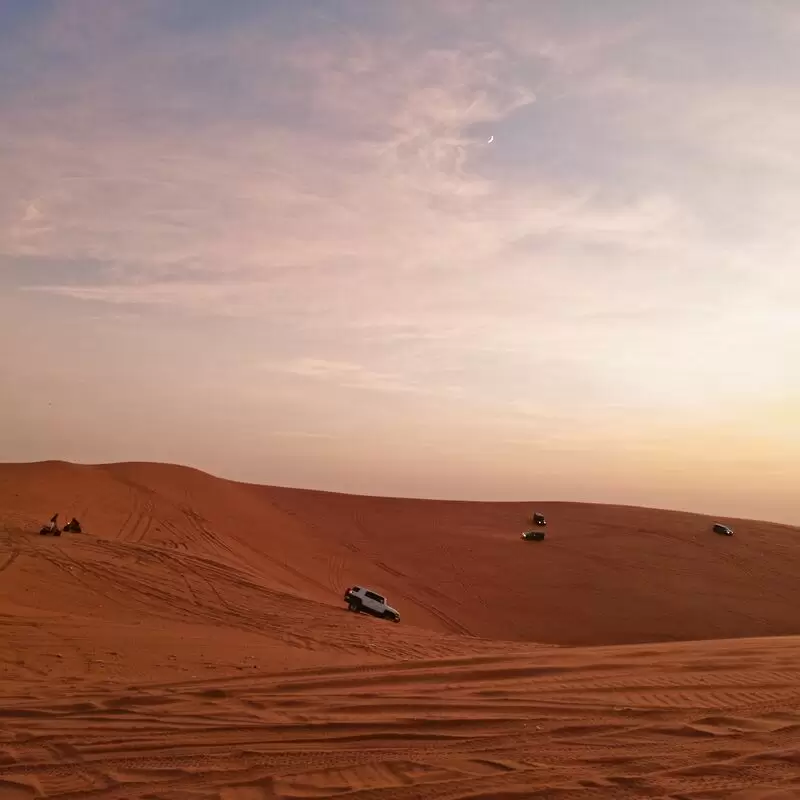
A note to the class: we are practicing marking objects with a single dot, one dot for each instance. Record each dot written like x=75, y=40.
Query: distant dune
x=192, y=643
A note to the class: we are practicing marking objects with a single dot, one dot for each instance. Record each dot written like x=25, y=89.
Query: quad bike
x=47, y=529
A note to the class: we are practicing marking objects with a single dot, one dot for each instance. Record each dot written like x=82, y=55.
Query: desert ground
x=192, y=643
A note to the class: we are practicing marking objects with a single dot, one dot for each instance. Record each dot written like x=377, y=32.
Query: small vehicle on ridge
x=723, y=530
x=533, y=536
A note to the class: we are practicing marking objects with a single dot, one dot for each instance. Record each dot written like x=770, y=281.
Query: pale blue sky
x=272, y=240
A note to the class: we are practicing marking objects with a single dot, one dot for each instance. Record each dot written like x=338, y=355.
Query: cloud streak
x=349, y=375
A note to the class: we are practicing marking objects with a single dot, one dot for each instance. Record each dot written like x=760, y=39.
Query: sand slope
x=605, y=574
x=704, y=720
x=192, y=643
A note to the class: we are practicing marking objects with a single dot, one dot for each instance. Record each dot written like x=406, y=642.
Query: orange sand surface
x=193, y=643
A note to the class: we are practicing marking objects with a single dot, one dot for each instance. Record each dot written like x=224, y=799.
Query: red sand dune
x=193, y=643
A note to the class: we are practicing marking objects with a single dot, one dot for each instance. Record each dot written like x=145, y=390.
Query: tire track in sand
x=400, y=731
x=10, y=560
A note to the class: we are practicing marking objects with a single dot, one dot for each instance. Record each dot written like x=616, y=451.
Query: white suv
x=360, y=599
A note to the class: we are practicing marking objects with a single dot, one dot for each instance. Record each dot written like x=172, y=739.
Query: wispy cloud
x=386, y=180
x=350, y=375
x=302, y=435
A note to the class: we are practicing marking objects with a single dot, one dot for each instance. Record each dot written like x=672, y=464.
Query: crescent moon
x=491, y=139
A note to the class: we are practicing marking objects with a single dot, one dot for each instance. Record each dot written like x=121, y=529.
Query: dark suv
x=723, y=530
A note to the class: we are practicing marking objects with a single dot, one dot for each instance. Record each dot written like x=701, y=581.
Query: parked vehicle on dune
x=538, y=519
x=360, y=599
x=533, y=536
x=721, y=529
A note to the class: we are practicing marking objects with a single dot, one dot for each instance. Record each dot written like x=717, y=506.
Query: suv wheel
x=355, y=606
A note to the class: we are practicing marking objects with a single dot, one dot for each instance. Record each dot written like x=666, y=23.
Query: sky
x=471, y=249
